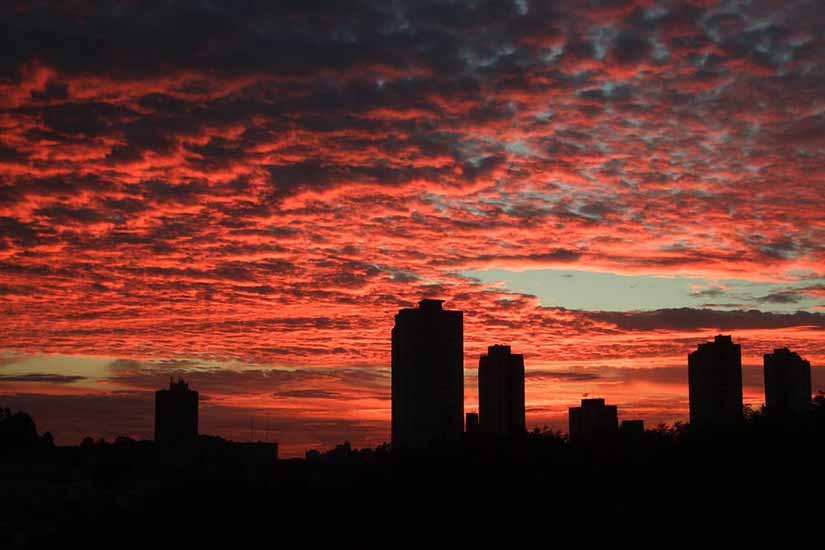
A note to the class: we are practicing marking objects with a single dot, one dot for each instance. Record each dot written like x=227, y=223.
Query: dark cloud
x=90, y=119
x=631, y=49
x=20, y=232
x=712, y=292
x=562, y=376
x=268, y=182
x=65, y=214
x=10, y=154
x=781, y=297
x=310, y=394
x=698, y=319
x=41, y=378
x=53, y=90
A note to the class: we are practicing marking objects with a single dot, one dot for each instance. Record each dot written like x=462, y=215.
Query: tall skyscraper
x=176, y=414
x=427, y=375
x=787, y=383
x=501, y=392
x=715, y=384
x=593, y=420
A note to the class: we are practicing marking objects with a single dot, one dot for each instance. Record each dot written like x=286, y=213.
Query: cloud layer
x=270, y=183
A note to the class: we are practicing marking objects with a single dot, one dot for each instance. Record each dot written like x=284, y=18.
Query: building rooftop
x=179, y=385
x=429, y=303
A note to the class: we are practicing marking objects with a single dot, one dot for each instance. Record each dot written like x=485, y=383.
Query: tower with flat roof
x=715, y=384
x=787, y=384
x=501, y=392
x=593, y=420
x=176, y=414
x=427, y=375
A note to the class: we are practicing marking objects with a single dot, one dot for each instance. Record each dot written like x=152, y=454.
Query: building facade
x=176, y=414
x=632, y=428
x=593, y=420
x=427, y=375
x=501, y=392
x=715, y=384
x=787, y=383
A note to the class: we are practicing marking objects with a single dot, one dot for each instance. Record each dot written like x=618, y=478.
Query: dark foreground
x=132, y=493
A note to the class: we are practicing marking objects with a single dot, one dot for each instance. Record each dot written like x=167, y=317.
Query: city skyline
x=245, y=194
x=139, y=418
x=429, y=405
x=428, y=408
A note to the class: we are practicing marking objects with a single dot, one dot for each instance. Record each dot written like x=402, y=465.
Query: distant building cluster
x=428, y=381
x=428, y=389
x=715, y=384
x=176, y=427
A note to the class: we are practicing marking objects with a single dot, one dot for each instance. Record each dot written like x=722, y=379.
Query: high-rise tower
x=715, y=384
x=787, y=383
x=427, y=375
x=176, y=414
x=501, y=392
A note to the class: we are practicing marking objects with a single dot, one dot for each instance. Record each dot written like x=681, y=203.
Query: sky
x=245, y=193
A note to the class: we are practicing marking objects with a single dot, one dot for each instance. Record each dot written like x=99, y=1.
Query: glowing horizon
x=248, y=202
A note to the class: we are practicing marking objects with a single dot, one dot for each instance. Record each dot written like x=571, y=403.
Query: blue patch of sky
x=593, y=290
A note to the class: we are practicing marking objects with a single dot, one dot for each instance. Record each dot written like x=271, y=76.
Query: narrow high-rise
x=787, y=384
x=593, y=420
x=176, y=414
x=427, y=375
x=501, y=392
x=715, y=384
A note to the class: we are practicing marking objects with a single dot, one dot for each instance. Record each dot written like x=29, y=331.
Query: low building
x=632, y=428
x=593, y=420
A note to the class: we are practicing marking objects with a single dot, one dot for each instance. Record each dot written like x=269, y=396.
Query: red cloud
x=277, y=210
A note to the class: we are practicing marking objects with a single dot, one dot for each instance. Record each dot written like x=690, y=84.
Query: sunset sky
x=245, y=193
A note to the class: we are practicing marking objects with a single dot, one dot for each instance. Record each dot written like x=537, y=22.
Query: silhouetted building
x=501, y=392
x=247, y=453
x=787, y=383
x=427, y=375
x=261, y=452
x=176, y=414
x=633, y=428
x=593, y=420
x=471, y=425
x=715, y=383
